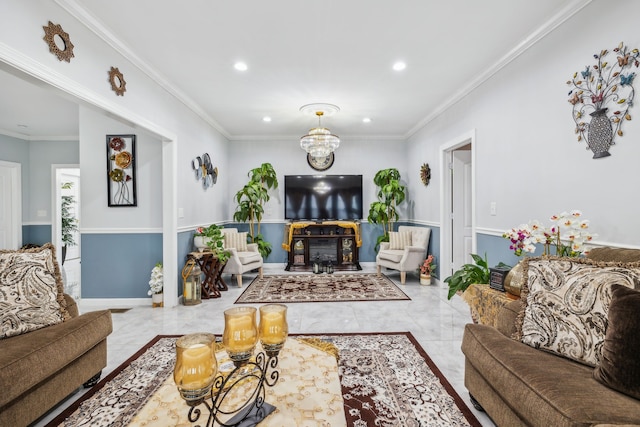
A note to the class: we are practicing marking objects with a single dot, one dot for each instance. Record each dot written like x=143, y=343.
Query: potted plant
x=69, y=222
x=469, y=274
x=156, y=285
x=251, y=199
x=390, y=194
x=426, y=269
x=211, y=237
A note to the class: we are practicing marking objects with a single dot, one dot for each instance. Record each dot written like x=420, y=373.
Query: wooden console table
x=334, y=242
x=485, y=303
x=212, y=268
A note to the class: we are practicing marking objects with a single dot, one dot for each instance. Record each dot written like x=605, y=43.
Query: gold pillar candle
x=196, y=365
x=273, y=324
x=240, y=331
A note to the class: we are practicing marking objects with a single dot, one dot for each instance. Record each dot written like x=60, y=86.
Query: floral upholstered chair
x=243, y=256
x=405, y=250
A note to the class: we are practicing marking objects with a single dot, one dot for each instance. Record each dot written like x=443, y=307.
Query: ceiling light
x=266, y=119
x=366, y=120
x=240, y=66
x=319, y=142
x=399, y=66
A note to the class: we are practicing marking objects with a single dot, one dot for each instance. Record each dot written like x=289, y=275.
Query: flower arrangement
x=428, y=266
x=156, y=281
x=215, y=240
x=566, y=227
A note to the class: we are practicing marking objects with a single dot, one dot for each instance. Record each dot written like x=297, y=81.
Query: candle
x=273, y=324
x=240, y=332
x=187, y=290
x=196, y=365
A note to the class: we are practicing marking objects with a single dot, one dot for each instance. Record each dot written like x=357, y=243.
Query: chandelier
x=319, y=142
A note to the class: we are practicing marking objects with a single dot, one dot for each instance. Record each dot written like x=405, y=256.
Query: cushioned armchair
x=405, y=251
x=244, y=256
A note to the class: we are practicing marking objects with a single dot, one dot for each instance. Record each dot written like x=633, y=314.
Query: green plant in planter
x=469, y=274
x=69, y=223
x=390, y=194
x=215, y=241
x=251, y=199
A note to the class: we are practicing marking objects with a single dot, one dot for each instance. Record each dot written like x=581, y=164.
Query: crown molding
x=533, y=38
x=25, y=137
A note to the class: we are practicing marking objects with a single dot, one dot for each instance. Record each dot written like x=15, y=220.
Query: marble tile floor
x=434, y=321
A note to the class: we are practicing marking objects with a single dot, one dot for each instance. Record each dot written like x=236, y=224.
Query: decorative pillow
x=566, y=301
x=619, y=368
x=31, y=291
x=237, y=241
x=399, y=239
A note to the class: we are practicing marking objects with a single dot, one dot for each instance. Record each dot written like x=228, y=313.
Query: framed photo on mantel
x=121, y=170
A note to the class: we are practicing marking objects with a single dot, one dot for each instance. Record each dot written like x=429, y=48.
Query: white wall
x=528, y=159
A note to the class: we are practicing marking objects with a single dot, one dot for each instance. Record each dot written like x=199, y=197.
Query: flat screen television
x=323, y=197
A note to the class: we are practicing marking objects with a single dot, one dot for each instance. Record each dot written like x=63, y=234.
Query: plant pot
x=200, y=242
x=157, y=300
x=425, y=279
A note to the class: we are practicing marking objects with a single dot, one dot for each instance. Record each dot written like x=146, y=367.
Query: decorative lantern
x=317, y=268
x=191, y=283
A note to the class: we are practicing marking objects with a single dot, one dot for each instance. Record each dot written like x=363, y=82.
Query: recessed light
x=399, y=66
x=366, y=120
x=22, y=126
x=266, y=119
x=240, y=66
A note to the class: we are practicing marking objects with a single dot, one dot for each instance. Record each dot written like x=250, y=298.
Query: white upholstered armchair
x=405, y=251
x=244, y=256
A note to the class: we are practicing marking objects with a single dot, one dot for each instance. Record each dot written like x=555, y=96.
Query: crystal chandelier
x=319, y=142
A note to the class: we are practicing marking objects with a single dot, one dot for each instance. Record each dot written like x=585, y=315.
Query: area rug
x=387, y=380
x=321, y=288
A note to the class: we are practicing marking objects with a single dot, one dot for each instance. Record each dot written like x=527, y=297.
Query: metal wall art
x=425, y=174
x=63, y=49
x=118, y=85
x=204, y=170
x=601, y=96
x=121, y=170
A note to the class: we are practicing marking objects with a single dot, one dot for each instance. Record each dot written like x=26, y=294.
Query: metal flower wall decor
x=604, y=91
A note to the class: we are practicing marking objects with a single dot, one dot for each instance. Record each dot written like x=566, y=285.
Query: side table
x=212, y=268
x=485, y=303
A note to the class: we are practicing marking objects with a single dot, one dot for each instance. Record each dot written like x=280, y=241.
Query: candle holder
x=240, y=334
x=273, y=328
x=196, y=366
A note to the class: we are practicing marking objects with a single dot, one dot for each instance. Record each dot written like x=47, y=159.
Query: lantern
x=191, y=283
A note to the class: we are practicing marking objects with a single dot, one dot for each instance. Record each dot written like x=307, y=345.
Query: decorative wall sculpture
x=601, y=96
x=121, y=170
x=118, y=85
x=63, y=49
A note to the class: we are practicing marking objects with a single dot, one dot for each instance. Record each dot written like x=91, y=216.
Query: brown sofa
x=38, y=369
x=518, y=385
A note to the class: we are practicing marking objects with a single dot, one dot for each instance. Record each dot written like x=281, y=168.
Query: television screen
x=323, y=197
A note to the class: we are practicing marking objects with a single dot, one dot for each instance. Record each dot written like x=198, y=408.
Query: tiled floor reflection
x=436, y=323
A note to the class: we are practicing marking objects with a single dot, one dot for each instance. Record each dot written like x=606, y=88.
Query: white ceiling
x=300, y=52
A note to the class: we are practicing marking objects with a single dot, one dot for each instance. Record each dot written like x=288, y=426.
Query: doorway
x=458, y=235
x=11, y=207
x=66, y=183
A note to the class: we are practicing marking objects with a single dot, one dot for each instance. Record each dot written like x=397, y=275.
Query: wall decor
x=601, y=96
x=64, y=48
x=118, y=84
x=204, y=170
x=321, y=163
x=425, y=174
x=121, y=170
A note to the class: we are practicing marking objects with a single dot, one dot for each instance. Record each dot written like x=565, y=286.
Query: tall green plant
x=69, y=221
x=251, y=200
x=390, y=194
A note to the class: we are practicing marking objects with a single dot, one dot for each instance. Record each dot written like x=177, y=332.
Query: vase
x=200, y=242
x=425, y=279
x=600, y=133
x=157, y=300
x=514, y=280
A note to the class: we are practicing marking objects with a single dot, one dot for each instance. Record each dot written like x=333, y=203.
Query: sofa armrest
x=384, y=246
x=252, y=247
x=506, y=321
x=72, y=306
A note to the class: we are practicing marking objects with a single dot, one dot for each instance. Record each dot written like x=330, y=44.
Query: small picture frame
x=121, y=170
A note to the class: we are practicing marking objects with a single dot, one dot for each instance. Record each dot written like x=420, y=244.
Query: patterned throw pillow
x=31, y=291
x=237, y=241
x=566, y=301
x=399, y=239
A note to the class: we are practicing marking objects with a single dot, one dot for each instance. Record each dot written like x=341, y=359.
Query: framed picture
x=121, y=170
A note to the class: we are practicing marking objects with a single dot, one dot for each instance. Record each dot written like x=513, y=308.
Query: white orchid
x=156, y=281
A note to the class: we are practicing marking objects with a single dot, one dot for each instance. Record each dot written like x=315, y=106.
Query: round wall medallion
x=425, y=173
x=118, y=85
x=58, y=40
x=321, y=163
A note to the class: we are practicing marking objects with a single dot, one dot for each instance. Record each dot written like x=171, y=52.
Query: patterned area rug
x=387, y=380
x=321, y=288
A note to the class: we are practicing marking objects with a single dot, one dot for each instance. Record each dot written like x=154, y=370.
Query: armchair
x=405, y=251
x=244, y=256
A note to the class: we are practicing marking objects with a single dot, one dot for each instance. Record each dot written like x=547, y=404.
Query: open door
x=11, y=205
x=67, y=185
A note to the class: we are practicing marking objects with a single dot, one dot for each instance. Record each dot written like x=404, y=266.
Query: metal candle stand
x=263, y=370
